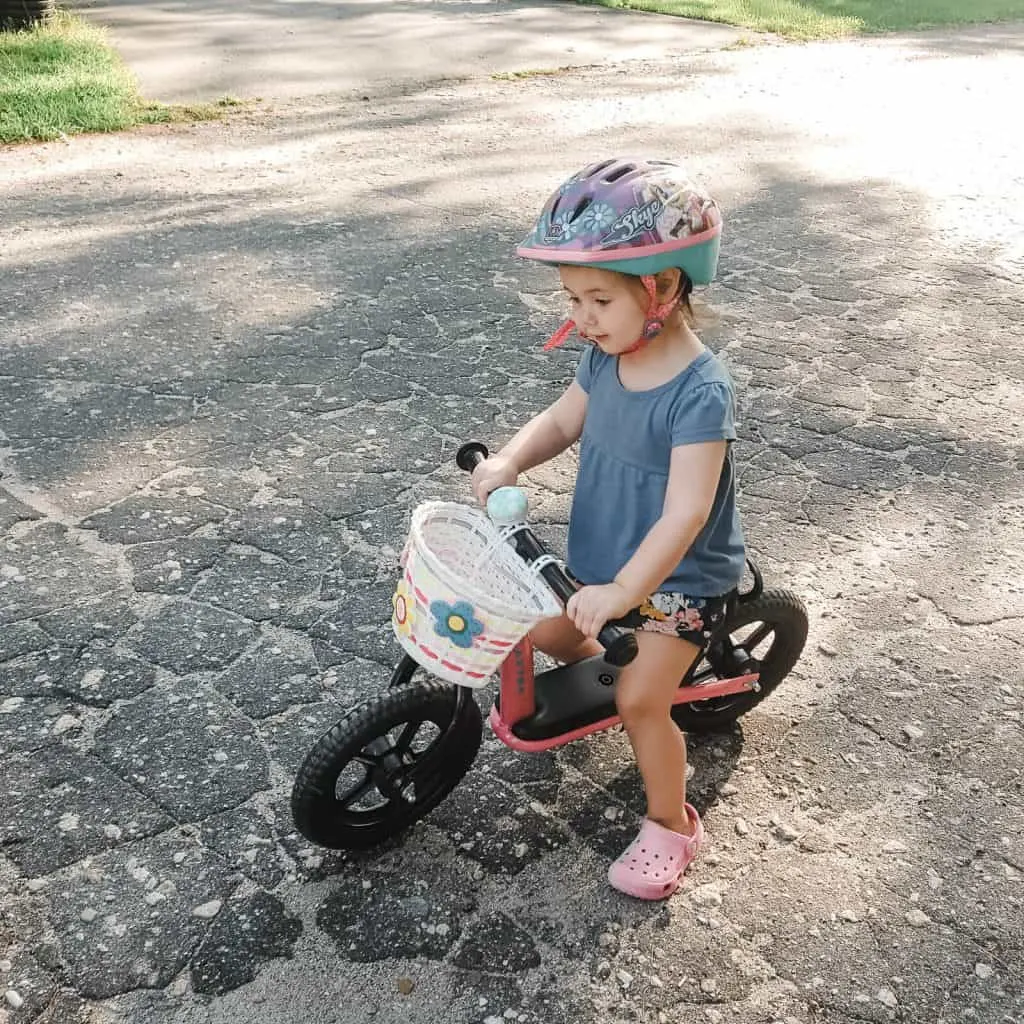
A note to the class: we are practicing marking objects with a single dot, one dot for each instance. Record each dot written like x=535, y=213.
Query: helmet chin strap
x=654, y=320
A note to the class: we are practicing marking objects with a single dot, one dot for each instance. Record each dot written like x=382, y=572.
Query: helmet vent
x=580, y=207
x=619, y=172
x=597, y=169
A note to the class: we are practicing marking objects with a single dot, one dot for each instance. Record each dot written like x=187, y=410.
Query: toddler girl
x=654, y=535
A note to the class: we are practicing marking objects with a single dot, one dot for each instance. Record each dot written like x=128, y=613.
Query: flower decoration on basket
x=456, y=622
x=404, y=605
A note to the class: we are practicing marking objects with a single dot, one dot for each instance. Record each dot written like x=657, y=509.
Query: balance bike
x=397, y=755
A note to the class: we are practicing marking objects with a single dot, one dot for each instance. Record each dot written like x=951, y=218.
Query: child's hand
x=590, y=608
x=489, y=475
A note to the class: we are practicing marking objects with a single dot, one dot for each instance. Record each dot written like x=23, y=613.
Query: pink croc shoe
x=652, y=866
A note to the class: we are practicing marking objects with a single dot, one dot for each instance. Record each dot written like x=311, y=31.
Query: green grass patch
x=63, y=78
x=824, y=19
x=511, y=76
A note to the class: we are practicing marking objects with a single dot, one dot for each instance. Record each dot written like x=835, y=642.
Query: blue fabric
x=627, y=443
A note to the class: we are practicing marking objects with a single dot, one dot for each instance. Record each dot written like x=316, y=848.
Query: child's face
x=609, y=308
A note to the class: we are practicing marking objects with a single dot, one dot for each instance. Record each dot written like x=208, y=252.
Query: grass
x=824, y=19
x=63, y=78
x=511, y=76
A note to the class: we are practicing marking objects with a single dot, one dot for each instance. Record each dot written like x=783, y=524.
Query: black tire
x=772, y=629
x=25, y=13
x=429, y=734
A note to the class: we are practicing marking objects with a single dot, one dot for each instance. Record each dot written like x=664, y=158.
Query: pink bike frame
x=517, y=701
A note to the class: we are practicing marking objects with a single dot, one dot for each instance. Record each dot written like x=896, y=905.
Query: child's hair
x=685, y=305
x=684, y=295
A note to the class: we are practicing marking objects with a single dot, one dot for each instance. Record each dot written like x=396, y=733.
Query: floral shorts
x=690, y=618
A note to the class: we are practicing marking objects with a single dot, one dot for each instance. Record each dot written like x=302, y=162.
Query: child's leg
x=643, y=696
x=561, y=640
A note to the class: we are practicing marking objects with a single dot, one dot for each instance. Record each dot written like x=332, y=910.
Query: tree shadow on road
x=325, y=347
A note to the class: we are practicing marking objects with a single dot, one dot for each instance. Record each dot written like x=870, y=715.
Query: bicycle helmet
x=637, y=217
x=634, y=216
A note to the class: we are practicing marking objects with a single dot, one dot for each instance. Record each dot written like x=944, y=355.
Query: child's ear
x=668, y=282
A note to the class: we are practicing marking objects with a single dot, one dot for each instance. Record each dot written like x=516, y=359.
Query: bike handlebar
x=620, y=646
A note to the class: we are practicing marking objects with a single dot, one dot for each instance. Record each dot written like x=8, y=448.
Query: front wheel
x=765, y=635
x=386, y=764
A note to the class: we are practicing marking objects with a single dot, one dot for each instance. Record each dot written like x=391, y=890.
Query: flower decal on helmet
x=597, y=218
x=456, y=622
x=562, y=228
x=404, y=609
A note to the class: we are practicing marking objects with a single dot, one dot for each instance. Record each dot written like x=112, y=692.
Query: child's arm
x=544, y=437
x=694, y=473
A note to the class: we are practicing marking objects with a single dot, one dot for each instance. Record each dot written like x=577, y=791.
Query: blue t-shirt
x=627, y=443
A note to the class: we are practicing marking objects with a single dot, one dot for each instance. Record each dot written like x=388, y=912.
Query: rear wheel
x=765, y=634
x=386, y=764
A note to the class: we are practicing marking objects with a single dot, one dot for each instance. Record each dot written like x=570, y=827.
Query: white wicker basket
x=465, y=598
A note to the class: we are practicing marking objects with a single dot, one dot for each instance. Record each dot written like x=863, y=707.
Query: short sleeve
x=585, y=368
x=707, y=413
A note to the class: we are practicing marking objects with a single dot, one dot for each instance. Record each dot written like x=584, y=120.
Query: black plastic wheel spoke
x=357, y=792
x=757, y=637
x=429, y=760
x=406, y=736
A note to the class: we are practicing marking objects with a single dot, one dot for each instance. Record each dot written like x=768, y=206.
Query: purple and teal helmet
x=634, y=216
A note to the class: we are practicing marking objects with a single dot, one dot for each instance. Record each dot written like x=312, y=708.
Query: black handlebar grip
x=470, y=455
x=620, y=646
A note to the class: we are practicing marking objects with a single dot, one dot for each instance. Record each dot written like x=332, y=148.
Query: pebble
x=983, y=971
x=786, y=832
x=14, y=1001
x=521, y=849
x=894, y=846
x=604, y=969
x=728, y=789
x=912, y=732
x=917, y=918
x=742, y=828
x=625, y=978
x=5, y=966
x=849, y=915
x=887, y=997
x=406, y=985
x=153, y=897
x=606, y=940
x=707, y=895
x=112, y=832
x=828, y=650
x=65, y=724
x=207, y=910
x=709, y=986
x=88, y=915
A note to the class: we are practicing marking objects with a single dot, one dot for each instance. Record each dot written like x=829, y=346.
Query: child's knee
x=637, y=703
x=560, y=639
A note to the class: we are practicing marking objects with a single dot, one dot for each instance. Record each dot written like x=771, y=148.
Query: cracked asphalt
x=234, y=356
